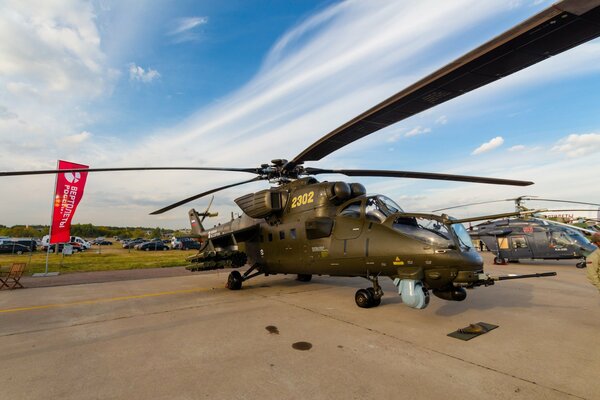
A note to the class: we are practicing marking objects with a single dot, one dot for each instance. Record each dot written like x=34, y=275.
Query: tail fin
x=197, y=218
x=196, y=222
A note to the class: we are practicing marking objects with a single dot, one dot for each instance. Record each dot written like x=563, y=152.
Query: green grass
x=110, y=258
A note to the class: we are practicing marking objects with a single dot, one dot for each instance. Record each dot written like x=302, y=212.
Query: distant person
x=593, y=262
x=481, y=245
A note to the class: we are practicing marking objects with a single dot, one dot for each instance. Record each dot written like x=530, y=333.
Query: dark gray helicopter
x=532, y=235
x=303, y=226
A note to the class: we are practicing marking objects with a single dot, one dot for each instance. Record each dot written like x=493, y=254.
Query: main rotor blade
x=58, y=171
x=571, y=209
x=490, y=217
x=417, y=175
x=170, y=207
x=560, y=27
x=563, y=201
x=469, y=204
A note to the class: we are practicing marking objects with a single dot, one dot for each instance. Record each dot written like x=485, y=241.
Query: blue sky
x=238, y=83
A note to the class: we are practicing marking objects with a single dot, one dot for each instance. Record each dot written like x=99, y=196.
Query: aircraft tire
x=376, y=300
x=580, y=264
x=304, y=277
x=363, y=298
x=234, y=281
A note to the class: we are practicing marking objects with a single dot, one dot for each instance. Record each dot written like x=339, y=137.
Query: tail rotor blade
x=207, y=208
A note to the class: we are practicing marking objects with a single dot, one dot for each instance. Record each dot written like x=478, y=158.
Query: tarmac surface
x=172, y=334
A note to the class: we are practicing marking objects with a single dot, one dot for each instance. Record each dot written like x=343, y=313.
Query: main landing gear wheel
x=499, y=261
x=580, y=264
x=234, y=281
x=304, y=277
x=366, y=298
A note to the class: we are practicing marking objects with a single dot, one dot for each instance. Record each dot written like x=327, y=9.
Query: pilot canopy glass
x=434, y=232
x=379, y=207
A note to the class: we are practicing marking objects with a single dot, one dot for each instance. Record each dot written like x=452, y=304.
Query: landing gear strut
x=369, y=297
x=235, y=279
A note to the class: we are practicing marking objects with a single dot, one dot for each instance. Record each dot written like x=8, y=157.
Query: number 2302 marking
x=303, y=199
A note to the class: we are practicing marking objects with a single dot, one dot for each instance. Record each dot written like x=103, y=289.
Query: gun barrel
x=536, y=275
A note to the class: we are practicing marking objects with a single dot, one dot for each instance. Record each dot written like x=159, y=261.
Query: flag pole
x=51, y=219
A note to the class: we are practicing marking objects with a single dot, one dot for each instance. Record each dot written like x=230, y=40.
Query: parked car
x=186, y=244
x=155, y=245
x=101, y=242
x=27, y=242
x=132, y=243
x=77, y=247
x=13, y=248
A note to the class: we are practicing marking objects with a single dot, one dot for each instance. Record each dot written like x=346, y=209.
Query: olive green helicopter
x=305, y=227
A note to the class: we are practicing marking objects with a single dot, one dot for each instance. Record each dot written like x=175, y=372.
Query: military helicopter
x=532, y=235
x=306, y=227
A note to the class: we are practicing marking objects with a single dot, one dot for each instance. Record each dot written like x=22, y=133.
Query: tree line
x=86, y=231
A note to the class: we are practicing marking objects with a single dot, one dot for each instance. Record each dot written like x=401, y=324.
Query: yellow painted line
x=104, y=300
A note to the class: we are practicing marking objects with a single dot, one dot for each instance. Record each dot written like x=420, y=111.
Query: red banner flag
x=68, y=193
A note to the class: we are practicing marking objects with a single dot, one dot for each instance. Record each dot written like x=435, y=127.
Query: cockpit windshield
x=429, y=231
x=577, y=238
x=463, y=236
x=379, y=207
x=434, y=232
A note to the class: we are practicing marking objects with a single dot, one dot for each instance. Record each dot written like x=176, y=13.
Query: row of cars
x=158, y=244
x=78, y=244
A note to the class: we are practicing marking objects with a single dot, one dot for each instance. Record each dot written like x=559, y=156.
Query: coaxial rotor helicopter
x=306, y=227
x=532, y=235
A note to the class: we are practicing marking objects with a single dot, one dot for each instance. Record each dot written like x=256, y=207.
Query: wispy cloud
x=518, y=147
x=442, y=120
x=488, y=146
x=78, y=138
x=185, y=28
x=419, y=130
x=578, y=145
x=137, y=73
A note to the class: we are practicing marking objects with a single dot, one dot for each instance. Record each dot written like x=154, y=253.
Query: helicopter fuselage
x=334, y=228
x=530, y=238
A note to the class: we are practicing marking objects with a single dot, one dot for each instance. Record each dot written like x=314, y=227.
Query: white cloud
x=518, y=147
x=137, y=73
x=186, y=24
x=417, y=131
x=578, y=145
x=442, y=120
x=488, y=146
x=78, y=138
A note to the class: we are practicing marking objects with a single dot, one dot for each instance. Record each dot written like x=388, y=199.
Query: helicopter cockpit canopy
x=433, y=231
x=567, y=237
x=378, y=207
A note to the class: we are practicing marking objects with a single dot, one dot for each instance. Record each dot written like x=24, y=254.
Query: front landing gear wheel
x=234, y=281
x=580, y=264
x=376, y=300
x=363, y=298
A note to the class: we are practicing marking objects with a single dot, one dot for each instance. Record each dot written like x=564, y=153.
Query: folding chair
x=14, y=275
